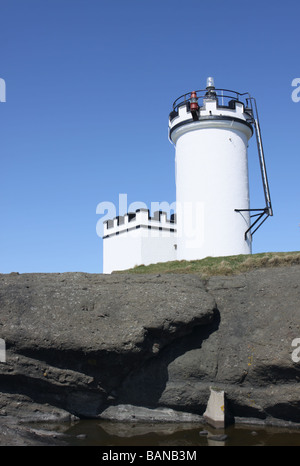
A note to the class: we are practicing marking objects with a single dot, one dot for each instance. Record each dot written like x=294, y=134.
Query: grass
x=211, y=266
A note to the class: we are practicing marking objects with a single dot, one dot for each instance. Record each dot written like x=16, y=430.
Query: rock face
x=82, y=344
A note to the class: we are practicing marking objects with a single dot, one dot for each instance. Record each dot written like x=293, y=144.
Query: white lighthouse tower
x=210, y=130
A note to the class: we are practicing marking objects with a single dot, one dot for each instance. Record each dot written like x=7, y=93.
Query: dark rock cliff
x=77, y=344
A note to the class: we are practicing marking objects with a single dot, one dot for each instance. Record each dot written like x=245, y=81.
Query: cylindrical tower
x=210, y=131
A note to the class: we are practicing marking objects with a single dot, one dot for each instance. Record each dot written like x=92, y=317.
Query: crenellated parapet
x=141, y=218
x=210, y=114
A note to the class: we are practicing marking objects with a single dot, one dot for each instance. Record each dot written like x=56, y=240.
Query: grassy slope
x=230, y=265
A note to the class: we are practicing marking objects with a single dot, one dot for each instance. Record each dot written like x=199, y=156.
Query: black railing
x=224, y=96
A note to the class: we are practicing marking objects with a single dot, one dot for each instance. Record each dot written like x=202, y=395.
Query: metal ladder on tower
x=267, y=211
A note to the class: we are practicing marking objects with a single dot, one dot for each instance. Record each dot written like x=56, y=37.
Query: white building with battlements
x=136, y=238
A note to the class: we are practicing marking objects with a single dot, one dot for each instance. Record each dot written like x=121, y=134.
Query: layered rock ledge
x=85, y=345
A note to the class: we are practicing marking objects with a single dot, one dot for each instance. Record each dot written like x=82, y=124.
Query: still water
x=107, y=433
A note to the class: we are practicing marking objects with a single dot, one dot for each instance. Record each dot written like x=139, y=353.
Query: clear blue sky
x=90, y=84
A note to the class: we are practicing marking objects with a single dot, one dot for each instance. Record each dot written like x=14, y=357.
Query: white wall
x=121, y=252
x=136, y=244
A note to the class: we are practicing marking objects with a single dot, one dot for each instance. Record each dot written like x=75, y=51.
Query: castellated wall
x=137, y=238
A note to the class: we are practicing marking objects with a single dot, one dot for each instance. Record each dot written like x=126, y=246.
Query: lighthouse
x=210, y=130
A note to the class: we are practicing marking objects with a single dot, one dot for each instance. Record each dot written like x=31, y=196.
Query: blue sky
x=89, y=87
